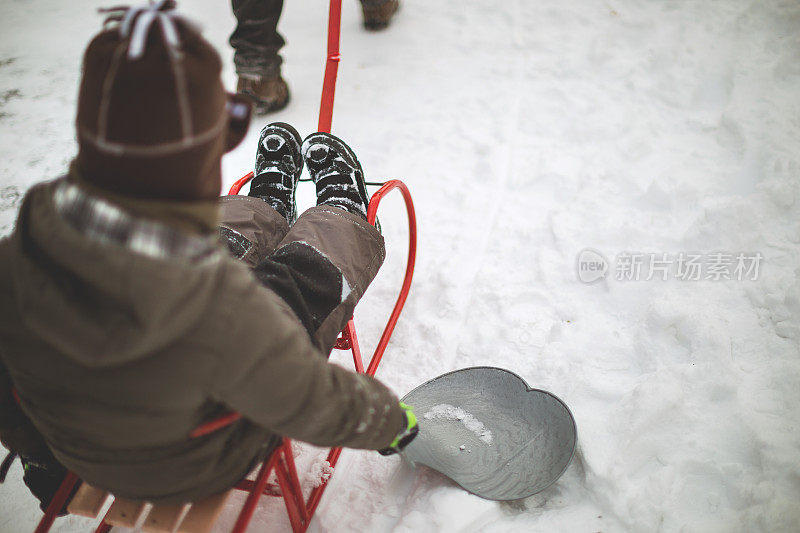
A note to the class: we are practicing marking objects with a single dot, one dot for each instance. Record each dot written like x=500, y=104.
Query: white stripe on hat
x=154, y=150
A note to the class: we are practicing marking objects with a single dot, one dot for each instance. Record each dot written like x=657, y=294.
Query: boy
x=124, y=323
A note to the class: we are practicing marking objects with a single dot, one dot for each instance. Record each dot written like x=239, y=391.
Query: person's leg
x=322, y=268
x=256, y=42
x=253, y=225
x=331, y=254
x=43, y=474
x=250, y=227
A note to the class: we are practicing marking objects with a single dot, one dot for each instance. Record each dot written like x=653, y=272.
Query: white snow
x=320, y=471
x=450, y=412
x=527, y=133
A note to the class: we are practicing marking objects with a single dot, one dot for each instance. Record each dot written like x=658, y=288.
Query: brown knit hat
x=152, y=119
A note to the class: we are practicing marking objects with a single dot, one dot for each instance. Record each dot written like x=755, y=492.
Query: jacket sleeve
x=273, y=375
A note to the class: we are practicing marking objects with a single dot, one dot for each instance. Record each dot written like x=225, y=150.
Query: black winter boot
x=336, y=172
x=278, y=167
x=266, y=94
x=378, y=13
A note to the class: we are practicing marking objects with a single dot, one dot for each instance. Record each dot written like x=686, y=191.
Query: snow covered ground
x=528, y=132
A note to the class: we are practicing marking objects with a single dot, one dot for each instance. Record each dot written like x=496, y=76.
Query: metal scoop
x=484, y=428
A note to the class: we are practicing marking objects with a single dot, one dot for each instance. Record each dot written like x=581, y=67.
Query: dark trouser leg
x=256, y=40
x=320, y=268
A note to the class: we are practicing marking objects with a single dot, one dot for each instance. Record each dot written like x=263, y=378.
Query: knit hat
x=153, y=117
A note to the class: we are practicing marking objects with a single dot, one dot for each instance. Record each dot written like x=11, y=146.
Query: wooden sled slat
x=203, y=514
x=87, y=501
x=125, y=513
x=164, y=518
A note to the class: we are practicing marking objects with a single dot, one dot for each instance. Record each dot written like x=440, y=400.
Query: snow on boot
x=336, y=172
x=278, y=168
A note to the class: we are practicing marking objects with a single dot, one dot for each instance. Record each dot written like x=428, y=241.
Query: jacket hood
x=103, y=287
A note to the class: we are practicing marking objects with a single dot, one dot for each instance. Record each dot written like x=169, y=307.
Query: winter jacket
x=119, y=347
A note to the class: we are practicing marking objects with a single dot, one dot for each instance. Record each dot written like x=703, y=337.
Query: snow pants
x=320, y=267
x=256, y=40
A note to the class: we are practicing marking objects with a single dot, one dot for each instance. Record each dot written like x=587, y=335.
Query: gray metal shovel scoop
x=487, y=431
